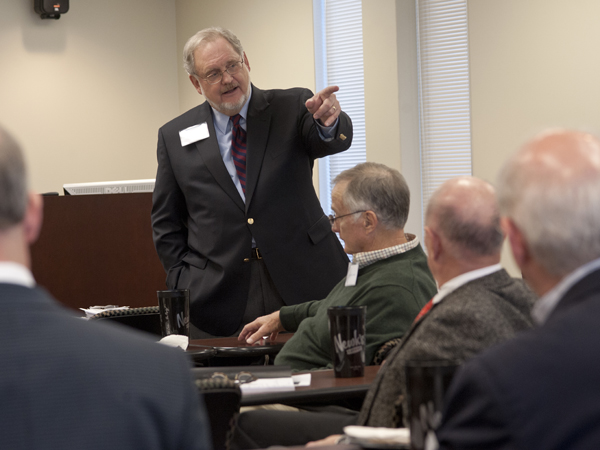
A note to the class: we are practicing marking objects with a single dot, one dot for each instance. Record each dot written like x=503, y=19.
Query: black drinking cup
x=174, y=306
x=426, y=385
x=348, y=336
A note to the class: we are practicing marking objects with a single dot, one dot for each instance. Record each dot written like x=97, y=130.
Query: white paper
x=379, y=434
x=193, y=134
x=175, y=340
x=263, y=385
x=93, y=310
x=302, y=379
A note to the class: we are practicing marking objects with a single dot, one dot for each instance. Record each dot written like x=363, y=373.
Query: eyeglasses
x=216, y=76
x=333, y=217
x=240, y=378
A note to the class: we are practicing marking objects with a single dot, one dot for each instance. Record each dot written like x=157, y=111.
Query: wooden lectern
x=98, y=250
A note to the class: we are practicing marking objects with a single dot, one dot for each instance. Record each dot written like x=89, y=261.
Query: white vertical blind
x=444, y=94
x=339, y=61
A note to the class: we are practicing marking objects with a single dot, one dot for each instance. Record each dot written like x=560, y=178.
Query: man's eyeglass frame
x=236, y=67
x=332, y=217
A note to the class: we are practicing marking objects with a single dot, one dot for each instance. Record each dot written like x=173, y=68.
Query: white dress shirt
x=546, y=304
x=14, y=273
x=456, y=282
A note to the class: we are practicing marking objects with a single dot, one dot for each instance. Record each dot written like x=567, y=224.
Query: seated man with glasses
x=388, y=274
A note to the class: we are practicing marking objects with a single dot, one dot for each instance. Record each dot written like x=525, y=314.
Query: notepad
x=284, y=384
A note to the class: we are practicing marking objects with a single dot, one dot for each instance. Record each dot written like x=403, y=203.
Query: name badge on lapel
x=193, y=134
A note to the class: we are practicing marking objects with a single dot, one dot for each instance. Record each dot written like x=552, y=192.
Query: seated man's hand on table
x=329, y=440
x=268, y=325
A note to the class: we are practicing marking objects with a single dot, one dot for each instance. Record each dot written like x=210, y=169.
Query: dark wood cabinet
x=98, y=250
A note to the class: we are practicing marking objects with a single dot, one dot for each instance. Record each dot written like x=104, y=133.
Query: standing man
x=69, y=384
x=540, y=390
x=235, y=216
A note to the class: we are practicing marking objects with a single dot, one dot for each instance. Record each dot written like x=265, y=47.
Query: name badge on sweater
x=193, y=134
x=352, y=274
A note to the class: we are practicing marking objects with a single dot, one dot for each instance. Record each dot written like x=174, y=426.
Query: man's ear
x=518, y=244
x=246, y=61
x=196, y=84
x=370, y=221
x=433, y=243
x=32, y=222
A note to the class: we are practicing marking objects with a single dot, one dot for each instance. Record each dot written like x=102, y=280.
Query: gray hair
x=467, y=214
x=13, y=182
x=378, y=188
x=207, y=35
x=555, y=202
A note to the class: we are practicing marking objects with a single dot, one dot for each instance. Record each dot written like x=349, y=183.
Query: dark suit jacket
x=475, y=316
x=203, y=230
x=70, y=384
x=538, y=391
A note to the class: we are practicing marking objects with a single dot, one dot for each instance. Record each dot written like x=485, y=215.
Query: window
x=339, y=61
x=444, y=93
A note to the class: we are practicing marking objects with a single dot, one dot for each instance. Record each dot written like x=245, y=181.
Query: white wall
x=534, y=64
x=85, y=94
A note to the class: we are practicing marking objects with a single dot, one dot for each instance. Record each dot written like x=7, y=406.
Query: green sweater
x=394, y=291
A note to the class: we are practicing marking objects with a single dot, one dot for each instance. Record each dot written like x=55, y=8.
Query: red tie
x=424, y=311
x=238, y=149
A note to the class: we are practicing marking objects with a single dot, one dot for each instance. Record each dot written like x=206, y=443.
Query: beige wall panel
x=534, y=65
x=381, y=87
x=85, y=94
x=408, y=108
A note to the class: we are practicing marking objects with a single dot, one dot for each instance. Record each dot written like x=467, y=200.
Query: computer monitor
x=109, y=187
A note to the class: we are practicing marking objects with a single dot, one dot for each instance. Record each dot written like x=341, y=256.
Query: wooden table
x=230, y=351
x=324, y=388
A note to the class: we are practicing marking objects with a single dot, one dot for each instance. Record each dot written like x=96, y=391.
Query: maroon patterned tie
x=238, y=149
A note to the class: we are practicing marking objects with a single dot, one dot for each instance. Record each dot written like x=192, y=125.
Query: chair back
x=222, y=400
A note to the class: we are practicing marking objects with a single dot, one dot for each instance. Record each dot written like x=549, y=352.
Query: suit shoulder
x=495, y=287
x=287, y=95
x=187, y=119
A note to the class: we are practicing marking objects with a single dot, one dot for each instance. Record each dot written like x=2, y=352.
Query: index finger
x=326, y=93
x=245, y=332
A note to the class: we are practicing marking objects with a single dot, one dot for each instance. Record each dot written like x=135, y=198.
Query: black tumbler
x=426, y=386
x=347, y=329
x=174, y=308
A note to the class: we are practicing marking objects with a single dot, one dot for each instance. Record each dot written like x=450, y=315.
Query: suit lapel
x=258, y=123
x=211, y=155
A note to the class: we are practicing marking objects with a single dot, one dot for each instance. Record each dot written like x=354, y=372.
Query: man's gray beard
x=230, y=108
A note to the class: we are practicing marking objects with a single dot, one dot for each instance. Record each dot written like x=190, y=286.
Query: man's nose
x=226, y=78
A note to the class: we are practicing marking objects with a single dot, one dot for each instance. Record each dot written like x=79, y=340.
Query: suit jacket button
x=246, y=259
x=250, y=220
